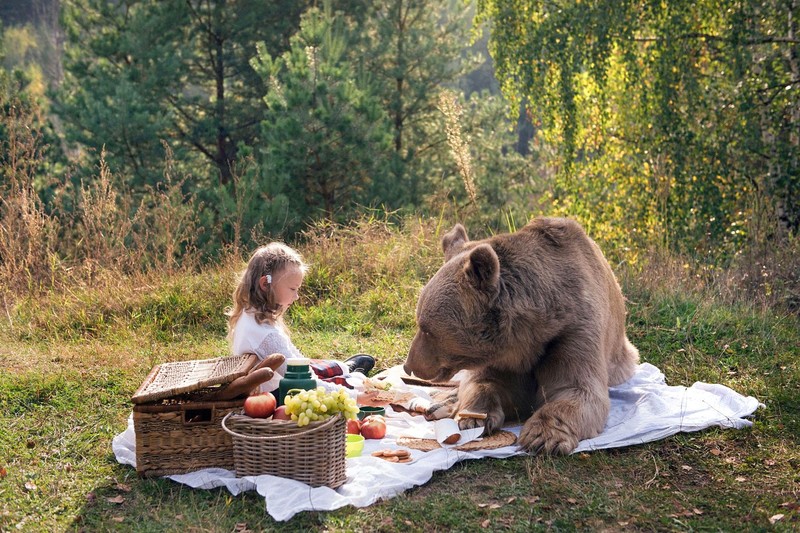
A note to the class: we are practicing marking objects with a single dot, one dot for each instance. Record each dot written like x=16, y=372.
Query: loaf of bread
x=243, y=385
x=273, y=361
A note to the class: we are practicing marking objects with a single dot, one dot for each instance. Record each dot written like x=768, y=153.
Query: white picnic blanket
x=643, y=409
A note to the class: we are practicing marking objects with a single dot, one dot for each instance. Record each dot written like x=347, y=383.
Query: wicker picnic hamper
x=313, y=454
x=177, y=431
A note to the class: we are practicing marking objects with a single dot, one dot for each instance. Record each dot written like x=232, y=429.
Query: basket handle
x=322, y=426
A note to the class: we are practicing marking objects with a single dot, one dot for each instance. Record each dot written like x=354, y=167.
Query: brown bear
x=537, y=319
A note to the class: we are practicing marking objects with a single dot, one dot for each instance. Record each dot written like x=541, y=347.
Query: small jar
x=298, y=376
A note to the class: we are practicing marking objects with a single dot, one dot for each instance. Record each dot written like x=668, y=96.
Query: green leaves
x=324, y=134
x=675, y=98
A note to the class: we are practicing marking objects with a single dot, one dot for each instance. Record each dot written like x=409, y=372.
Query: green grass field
x=72, y=360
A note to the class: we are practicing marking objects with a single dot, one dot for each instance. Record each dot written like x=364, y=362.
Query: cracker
x=392, y=453
x=393, y=456
x=393, y=396
x=471, y=414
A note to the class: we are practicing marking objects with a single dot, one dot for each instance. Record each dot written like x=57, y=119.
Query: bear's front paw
x=441, y=409
x=544, y=433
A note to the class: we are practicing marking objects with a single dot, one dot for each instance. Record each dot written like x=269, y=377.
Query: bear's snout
x=409, y=367
x=415, y=360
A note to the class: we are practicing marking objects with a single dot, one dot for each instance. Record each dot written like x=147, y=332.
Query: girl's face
x=286, y=285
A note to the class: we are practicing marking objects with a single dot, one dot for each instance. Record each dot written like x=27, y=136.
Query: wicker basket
x=180, y=437
x=177, y=429
x=172, y=379
x=314, y=454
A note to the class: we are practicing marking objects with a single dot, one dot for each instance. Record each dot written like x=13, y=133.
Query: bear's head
x=455, y=311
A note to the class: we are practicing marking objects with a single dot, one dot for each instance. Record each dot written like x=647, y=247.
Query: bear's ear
x=482, y=268
x=453, y=240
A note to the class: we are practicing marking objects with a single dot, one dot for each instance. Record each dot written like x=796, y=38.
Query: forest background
x=144, y=134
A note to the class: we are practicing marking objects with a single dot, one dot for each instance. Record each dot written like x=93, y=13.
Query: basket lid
x=171, y=379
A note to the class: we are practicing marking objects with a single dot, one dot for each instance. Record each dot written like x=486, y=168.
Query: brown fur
x=538, y=320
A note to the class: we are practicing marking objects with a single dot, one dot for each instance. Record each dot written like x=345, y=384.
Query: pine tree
x=139, y=72
x=325, y=135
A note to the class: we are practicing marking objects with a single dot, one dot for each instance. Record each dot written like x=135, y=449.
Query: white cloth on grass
x=643, y=409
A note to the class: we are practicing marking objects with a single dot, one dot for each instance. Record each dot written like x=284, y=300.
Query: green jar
x=298, y=376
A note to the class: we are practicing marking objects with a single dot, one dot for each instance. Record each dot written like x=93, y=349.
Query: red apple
x=281, y=414
x=354, y=426
x=260, y=405
x=373, y=427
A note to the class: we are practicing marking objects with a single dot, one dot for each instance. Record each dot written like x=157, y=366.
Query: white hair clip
x=269, y=278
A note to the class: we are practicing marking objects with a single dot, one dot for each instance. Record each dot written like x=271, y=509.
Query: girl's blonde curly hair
x=270, y=260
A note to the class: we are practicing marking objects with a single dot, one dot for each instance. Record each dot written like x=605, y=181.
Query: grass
x=72, y=361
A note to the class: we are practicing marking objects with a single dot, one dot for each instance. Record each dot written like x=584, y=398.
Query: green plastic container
x=298, y=376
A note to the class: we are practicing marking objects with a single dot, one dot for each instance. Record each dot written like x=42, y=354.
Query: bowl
x=354, y=445
x=368, y=410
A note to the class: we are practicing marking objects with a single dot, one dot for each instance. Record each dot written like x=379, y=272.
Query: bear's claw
x=546, y=435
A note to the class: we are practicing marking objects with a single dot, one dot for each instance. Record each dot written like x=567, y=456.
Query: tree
x=414, y=48
x=142, y=71
x=678, y=118
x=325, y=136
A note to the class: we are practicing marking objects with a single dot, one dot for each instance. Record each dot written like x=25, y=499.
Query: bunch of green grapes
x=318, y=404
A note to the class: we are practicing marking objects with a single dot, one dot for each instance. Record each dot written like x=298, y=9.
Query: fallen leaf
x=485, y=523
x=482, y=505
x=697, y=511
x=716, y=451
x=3, y=472
x=30, y=486
x=622, y=524
x=116, y=499
x=123, y=487
x=741, y=479
x=511, y=499
x=775, y=518
x=495, y=506
x=573, y=501
x=118, y=518
x=686, y=467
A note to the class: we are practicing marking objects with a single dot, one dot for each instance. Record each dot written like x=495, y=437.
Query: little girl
x=268, y=286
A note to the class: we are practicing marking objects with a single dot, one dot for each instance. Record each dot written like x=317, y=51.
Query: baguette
x=273, y=361
x=243, y=385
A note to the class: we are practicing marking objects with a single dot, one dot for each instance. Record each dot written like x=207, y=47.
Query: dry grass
x=27, y=232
